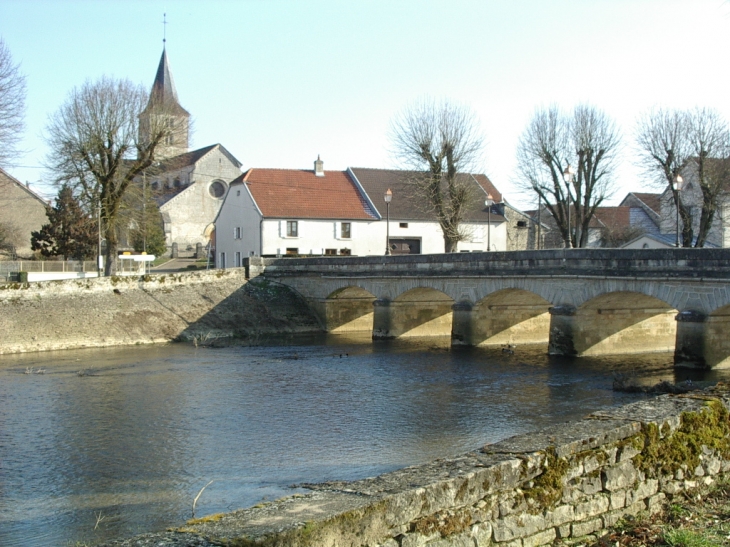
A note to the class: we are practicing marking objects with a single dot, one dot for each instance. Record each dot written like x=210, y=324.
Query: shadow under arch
x=510, y=316
x=348, y=309
x=624, y=322
x=422, y=311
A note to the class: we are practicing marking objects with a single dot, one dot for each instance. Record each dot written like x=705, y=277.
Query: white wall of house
x=237, y=228
x=193, y=210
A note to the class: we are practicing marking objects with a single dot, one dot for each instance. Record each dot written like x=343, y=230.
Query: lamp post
x=489, y=202
x=98, y=242
x=678, y=185
x=568, y=178
x=388, y=196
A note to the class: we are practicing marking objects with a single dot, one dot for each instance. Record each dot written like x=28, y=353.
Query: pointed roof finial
x=164, y=30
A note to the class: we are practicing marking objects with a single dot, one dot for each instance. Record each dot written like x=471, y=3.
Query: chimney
x=319, y=167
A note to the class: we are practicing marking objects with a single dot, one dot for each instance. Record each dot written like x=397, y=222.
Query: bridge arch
x=620, y=322
x=347, y=309
x=419, y=311
x=506, y=316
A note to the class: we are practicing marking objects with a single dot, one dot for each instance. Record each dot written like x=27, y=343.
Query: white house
x=275, y=212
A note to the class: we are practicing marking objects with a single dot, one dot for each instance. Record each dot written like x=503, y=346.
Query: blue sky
x=279, y=81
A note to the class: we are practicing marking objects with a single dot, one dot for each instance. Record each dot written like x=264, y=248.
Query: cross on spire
x=164, y=29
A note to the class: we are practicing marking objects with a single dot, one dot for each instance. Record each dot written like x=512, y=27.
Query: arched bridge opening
x=508, y=316
x=421, y=311
x=349, y=309
x=614, y=323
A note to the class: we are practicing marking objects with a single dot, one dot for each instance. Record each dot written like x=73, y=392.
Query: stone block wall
x=564, y=482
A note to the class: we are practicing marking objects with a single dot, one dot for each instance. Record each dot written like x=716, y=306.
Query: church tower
x=163, y=107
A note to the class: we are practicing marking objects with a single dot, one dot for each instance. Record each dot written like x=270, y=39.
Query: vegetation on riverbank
x=691, y=519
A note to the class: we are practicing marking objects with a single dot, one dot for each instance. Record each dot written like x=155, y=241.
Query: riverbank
x=565, y=483
x=117, y=311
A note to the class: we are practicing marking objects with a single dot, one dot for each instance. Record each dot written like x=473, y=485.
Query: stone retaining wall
x=115, y=311
x=564, y=482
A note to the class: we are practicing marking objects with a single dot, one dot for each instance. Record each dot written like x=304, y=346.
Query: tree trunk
x=450, y=244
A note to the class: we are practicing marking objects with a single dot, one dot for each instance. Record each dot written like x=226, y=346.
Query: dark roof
x=188, y=158
x=163, y=88
x=404, y=204
x=294, y=194
x=652, y=201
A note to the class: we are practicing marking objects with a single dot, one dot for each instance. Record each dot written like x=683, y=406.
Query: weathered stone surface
x=586, y=527
x=592, y=507
x=513, y=527
x=619, y=477
x=542, y=538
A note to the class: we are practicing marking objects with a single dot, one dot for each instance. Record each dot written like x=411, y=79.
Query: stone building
x=189, y=186
x=22, y=211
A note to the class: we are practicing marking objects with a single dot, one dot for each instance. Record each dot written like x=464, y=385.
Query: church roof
x=163, y=88
x=292, y=193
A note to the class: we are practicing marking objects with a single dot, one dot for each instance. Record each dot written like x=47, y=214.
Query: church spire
x=163, y=101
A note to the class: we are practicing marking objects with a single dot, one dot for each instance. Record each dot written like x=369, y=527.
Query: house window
x=521, y=224
x=222, y=261
x=345, y=252
x=177, y=183
x=403, y=225
x=292, y=251
x=237, y=234
x=345, y=230
x=238, y=259
x=292, y=228
x=330, y=252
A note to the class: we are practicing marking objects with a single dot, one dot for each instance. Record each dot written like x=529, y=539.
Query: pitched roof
x=652, y=201
x=163, y=87
x=613, y=218
x=187, y=159
x=295, y=194
x=405, y=204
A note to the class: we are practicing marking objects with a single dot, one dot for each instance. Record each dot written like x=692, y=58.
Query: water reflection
x=129, y=436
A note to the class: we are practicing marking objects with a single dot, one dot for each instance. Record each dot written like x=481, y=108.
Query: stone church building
x=188, y=185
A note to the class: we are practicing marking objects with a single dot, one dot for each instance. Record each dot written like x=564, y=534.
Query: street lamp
x=489, y=202
x=568, y=178
x=388, y=196
x=678, y=186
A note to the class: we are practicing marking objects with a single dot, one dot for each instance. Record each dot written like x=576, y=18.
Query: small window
x=217, y=189
x=330, y=252
x=238, y=232
x=345, y=230
x=345, y=252
x=521, y=224
x=238, y=259
x=292, y=228
x=177, y=183
x=403, y=225
x=292, y=251
x=238, y=192
x=223, y=261
x=155, y=185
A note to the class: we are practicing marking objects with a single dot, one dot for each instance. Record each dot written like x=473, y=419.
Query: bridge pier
x=689, y=350
x=393, y=318
x=717, y=341
x=462, y=324
x=562, y=329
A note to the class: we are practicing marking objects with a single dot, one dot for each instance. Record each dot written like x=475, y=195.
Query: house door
x=405, y=246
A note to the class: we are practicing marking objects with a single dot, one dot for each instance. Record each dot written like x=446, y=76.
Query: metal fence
x=10, y=268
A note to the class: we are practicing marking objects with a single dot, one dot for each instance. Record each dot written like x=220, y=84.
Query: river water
x=109, y=443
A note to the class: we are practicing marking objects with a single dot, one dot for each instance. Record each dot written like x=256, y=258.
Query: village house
x=22, y=211
x=276, y=212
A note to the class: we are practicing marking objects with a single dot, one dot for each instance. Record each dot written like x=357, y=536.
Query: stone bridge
x=576, y=301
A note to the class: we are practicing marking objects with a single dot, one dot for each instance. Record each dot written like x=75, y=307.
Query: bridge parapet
x=665, y=263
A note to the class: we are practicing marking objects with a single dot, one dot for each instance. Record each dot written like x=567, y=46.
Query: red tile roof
x=613, y=218
x=652, y=201
x=290, y=193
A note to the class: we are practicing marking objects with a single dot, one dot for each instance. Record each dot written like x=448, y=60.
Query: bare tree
x=96, y=147
x=440, y=141
x=695, y=144
x=12, y=105
x=583, y=145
